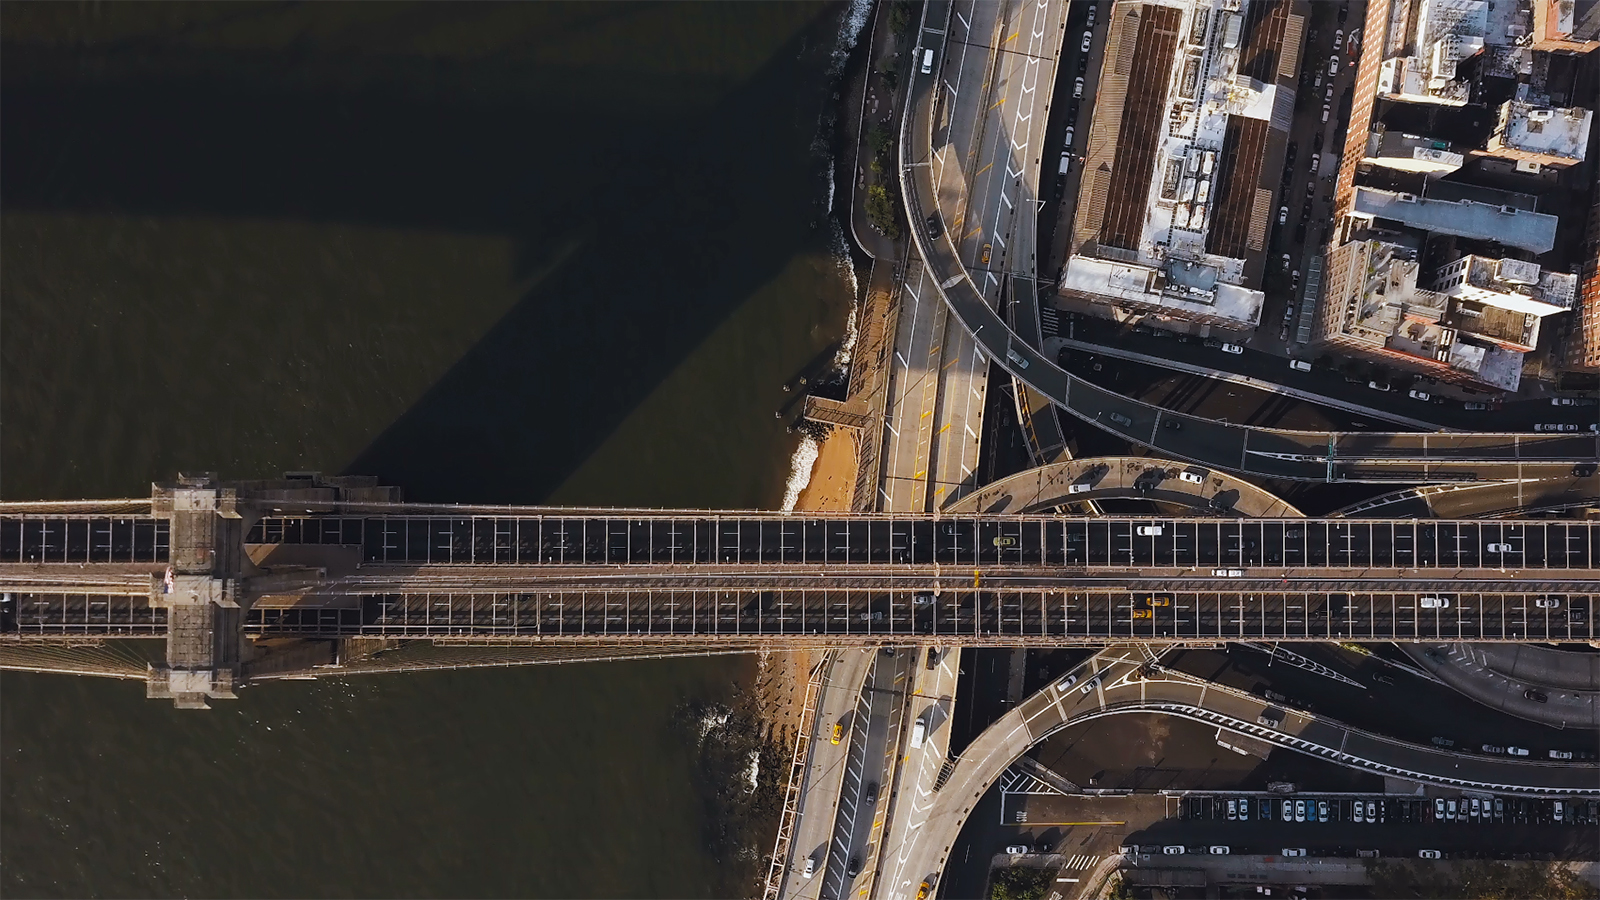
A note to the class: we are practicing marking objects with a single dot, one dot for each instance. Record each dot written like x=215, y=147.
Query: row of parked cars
x=1222, y=850
x=1407, y=810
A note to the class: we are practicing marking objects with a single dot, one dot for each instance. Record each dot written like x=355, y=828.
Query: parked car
x=1560, y=754
x=1120, y=419
x=1235, y=349
x=1087, y=37
x=1077, y=87
x=1066, y=682
x=1548, y=603
x=1536, y=696
x=1493, y=748
x=1219, y=851
x=1149, y=530
x=1191, y=477
x=1433, y=602
x=1379, y=385
x=1430, y=854
x=1418, y=395
x=1016, y=849
x=1498, y=548
x=1293, y=851
x=1173, y=849
x=1516, y=751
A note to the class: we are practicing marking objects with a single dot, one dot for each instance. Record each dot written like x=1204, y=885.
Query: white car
x=1299, y=810
x=1516, y=751
x=1080, y=489
x=1563, y=401
x=1333, y=65
x=1219, y=851
x=1090, y=685
x=1430, y=854
x=1418, y=395
x=1547, y=603
x=810, y=867
x=1338, y=38
x=1016, y=358
x=1235, y=349
x=1294, y=851
x=1283, y=211
x=1498, y=548
x=1017, y=849
x=1091, y=16
x=1149, y=530
x=1173, y=849
x=1070, y=133
x=1433, y=602
x=1087, y=37
x=1191, y=478
x=1227, y=573
x=1066, y=682
x=1077, y=87
x=1379, y=385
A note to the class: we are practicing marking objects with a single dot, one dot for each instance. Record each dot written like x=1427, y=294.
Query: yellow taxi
x=838, y=731
x=987, y=249
x=922, y=892
x=1143, y=614
x=1158, y=601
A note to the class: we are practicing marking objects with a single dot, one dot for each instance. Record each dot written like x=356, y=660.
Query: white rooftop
x=1556, y=132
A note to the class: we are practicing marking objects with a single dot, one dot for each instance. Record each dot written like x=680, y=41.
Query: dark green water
x=516, y=253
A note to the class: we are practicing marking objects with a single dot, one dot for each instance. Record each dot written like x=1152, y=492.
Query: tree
x=1018, y=884
x=899, y=16
x=879, y=139
x=882, y=210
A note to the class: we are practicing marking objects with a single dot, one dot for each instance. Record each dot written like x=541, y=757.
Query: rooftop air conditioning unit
x=1508, y=210
x=1407, y=198
x=1540, y=115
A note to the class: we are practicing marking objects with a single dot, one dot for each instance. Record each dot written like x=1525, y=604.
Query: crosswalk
x=1080, y=862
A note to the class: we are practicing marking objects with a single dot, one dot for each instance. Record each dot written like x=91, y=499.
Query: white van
x=810, y=867
x=919, y=731
x=1079, y=489
x=1299, y=365
x=927, y=61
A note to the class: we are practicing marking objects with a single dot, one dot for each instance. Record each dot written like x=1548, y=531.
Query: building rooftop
x=1534, y=232
x=1412, y=153
x=1562, y=134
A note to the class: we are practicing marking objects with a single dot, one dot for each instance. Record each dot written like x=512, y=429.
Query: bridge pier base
x=199, y=593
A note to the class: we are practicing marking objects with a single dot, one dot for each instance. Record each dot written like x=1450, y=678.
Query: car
x=1227, y=573
x=1516, y=751
x=1338, y=38
x=1233, y=810
x=1044, y=848
x=1283, y=214
x=1083, y=46
x=1559, y=426
x=922, y=890
x=1560, y=754
x=1559, y=811
x=1090, y=685
x=988, y=250
x=1358, y=812
x=1286, y=262
x=922, y=598
x=1069, y=136
x=1438, y=808
x=1433, y=602
x=1322, y=810
x=810, y=868
x=1005, y=541
x=1499, y=808
x=889, y=651
x=1547, y=603
x=1288, y=811
x=1563, y=401
x=1080, y=488
x=1300, y=811
x=1235, y=349
x=872, y=793
x=1333, y=65
x=1418, y=395
x=1066, y=682
x=1120, y=419
x=1450, y=810
x=1477, y=810
x=1142, y=614
x=1429, y=854
x=1016, y=849
x=1584, y=470
x=1090, y=23
x=1536, y=696
x=1493, y=748
x=1442, y=742
x=1172, y=424
x=1382, y=678
x=1379, y=385
x=1077, y=87
x=1311, y=810
x=838, y=732
x=1173, y=849
x=1219, y=851
x=854, y=868
x=1474, y=405
x=1191, y=477
x=1498, y=548
x=1149, y=530
x=927, y=61
x=1288, y=312
x=1016, y=358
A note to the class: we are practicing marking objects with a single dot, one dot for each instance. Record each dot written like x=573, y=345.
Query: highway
x=1128, y=684
x=1142, y=477
x=1313, y=456
x=933, y=701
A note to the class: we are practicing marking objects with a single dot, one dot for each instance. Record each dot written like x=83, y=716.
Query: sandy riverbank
x=781, y=682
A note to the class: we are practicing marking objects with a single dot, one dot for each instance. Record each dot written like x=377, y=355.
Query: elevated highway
x=1129, y=683
x=1270, y=453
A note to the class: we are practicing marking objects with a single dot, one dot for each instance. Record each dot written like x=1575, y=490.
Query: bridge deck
x=954, y=540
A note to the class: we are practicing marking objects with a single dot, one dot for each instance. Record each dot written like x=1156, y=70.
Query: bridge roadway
x=1130, y=686
x=1272, y=453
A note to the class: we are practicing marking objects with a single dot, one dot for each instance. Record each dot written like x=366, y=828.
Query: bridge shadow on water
x=644, y=209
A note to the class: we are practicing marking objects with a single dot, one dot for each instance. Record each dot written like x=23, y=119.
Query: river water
x=517, y=253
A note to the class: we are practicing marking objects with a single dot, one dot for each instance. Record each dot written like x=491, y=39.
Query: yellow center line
x=946, y=427
x=984, y=169
x=952, y=362
x=1013, y=37
x=972, y=232
x=998, y=102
